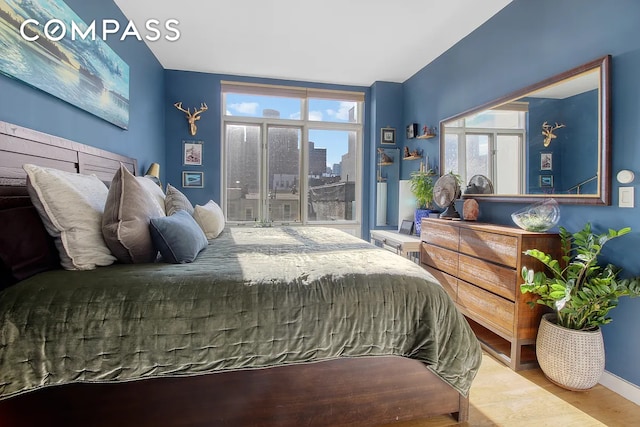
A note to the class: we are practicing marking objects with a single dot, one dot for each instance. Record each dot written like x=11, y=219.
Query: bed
x=269, y=326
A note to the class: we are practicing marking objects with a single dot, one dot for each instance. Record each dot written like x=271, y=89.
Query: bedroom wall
x=524, y=43
x=192, y=88
x=386, y=111
x=25, y=106
x=571, y=164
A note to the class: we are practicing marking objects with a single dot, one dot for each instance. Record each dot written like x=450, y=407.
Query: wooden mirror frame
x=604, y=167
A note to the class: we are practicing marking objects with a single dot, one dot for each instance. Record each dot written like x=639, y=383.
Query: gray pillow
x=175, y=201
x=71, y=205
x=178, y=237
x=125, y=222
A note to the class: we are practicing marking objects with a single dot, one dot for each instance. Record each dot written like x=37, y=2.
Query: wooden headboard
x=20, y=145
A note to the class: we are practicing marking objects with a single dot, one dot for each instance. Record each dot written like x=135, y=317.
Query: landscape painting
x=85, y=73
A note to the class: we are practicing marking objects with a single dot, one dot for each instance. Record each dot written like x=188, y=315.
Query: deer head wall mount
x=547, y=131
x=192, y=117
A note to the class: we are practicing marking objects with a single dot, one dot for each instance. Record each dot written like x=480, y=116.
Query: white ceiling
x=354, y=42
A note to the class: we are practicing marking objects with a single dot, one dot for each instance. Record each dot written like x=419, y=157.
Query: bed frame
x=351, y=391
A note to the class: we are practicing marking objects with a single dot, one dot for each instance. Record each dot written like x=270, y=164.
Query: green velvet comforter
x=256, y=297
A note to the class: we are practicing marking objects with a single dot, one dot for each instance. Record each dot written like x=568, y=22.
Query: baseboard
x=623, y=387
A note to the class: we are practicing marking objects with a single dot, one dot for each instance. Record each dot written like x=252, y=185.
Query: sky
x=336, y=142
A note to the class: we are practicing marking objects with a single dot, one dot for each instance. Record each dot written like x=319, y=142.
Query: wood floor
x=502, y=397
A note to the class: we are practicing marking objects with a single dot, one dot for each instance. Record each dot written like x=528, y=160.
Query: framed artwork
x=546, y=161
x=412, y=130
x=192, y=179
x=388, y=136
x=406, y=227
x=192, y=153
x=86, y=73
x=546, y=180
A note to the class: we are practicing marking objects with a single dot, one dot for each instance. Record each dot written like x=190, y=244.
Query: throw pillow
x=125, y=223
x=175, y=201
x=71, y=207
x=25, y=246
x=154, y=190
x=210, y=218
x=178, y=237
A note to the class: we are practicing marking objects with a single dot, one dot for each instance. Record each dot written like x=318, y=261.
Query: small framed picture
x=406, y=227
x=388, y=136
x=546, y=180
x=192, y=179
x=546, y=161
x=192, y=153
x=412, y=130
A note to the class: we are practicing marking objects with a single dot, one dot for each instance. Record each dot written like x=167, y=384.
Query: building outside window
x=292, y=155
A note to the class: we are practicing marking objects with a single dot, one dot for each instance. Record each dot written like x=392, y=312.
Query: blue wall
x=578, y=164
x=191, y=89
x=513, y=50
x=386, y=111
x=540, y=110
x=25, y=106
x=572, y=163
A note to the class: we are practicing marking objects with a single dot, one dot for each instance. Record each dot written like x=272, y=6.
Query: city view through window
x=270, y=142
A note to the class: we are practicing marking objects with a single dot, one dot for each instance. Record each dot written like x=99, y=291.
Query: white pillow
x=154, y=190
x=210, y=218
x=71, y=207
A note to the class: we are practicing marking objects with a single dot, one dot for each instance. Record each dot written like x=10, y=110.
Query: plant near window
x=583, y=292
x=421, y=183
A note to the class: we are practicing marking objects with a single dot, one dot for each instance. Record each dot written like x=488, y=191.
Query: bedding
x=210, y=218
x=175, y=201
x=71, y=207
x=178, y=237
x=254, y=298
x=129, y=207
x=154, y=190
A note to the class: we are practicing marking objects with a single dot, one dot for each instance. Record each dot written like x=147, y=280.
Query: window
x=292, y=155
x=474, y=145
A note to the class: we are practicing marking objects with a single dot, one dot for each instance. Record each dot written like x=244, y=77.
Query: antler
x=191, y=118
x=547, y=131
x=203, y=107
x=178, y=105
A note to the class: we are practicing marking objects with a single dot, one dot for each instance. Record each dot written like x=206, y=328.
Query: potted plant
x=581, y=293
x=421, y=184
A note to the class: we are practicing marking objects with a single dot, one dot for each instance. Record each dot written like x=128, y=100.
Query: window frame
x=461, y=129
x=306, y=125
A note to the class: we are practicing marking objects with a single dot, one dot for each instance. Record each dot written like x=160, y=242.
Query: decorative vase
x=420, y=213
x=569, y=358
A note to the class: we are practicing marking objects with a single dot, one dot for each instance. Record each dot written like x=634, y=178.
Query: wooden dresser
x=480, y=267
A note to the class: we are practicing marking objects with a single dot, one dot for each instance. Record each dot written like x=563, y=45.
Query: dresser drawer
x=441, y=234
x=486, y=308
x=492, y=277
x=440, y=258
x=448, y=282
x=493, y=247
x=481, y=272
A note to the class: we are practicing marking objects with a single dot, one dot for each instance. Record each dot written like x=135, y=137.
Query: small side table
x=405, y=245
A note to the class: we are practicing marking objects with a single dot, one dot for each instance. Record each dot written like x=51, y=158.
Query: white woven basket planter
x=569, y=358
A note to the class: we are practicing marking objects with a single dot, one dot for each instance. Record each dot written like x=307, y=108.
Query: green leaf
x=580, y=290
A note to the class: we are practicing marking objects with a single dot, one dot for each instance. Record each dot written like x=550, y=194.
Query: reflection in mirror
x=550, y=139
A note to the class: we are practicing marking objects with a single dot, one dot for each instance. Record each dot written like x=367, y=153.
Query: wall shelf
x=426, y=136
x=412, y=158
x=385, y=163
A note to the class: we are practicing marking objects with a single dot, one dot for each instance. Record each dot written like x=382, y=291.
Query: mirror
x=551, y=139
